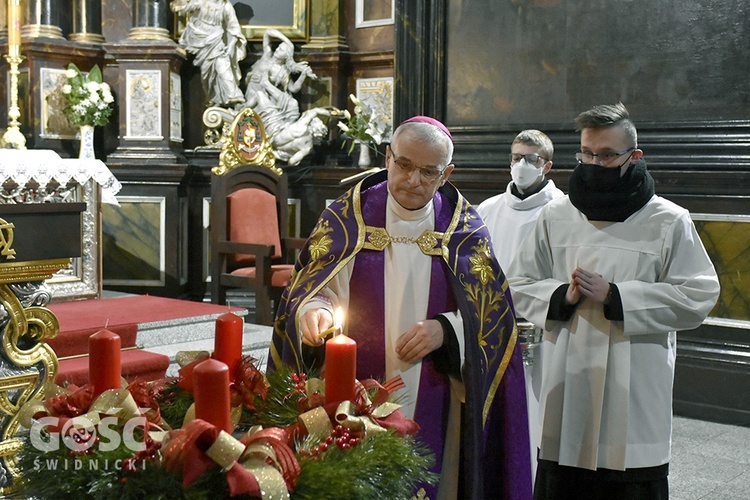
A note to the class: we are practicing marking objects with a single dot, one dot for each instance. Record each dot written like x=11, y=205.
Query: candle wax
x=211, y=392
x=340, y=369
x=104, y=361
x=14, y=22
x=228, y=341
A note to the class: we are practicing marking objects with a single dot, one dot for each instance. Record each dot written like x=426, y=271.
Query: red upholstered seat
x=255, y=210
x=281, y=274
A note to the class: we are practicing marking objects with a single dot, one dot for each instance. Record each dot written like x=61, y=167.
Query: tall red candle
x=341, y=369
x=211, y=392
x=104, y=361
x=228, y=341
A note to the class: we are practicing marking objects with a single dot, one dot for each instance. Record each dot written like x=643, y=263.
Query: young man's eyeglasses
x=530, y=158
x=427, y=174
x=604, y=158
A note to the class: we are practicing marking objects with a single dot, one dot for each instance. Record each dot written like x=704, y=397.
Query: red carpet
x=122, y=315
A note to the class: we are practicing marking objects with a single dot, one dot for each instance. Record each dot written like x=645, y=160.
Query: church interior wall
x=488, y=69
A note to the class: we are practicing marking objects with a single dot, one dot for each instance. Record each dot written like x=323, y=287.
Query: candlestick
x=211, y=392
x=104, y=361
x=13, y=138
x=228, y=341
x=340, y=369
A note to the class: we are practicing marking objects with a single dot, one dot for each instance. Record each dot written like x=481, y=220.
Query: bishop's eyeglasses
x=428, y=174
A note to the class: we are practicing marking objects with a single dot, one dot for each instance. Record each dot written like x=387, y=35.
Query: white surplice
x=607, y=386
x=510, y=218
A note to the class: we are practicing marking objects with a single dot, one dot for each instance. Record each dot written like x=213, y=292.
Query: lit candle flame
x=338, y=321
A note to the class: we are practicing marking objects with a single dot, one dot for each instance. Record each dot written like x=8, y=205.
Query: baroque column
x=149, y=20
x=87, y=21
x=43, y=19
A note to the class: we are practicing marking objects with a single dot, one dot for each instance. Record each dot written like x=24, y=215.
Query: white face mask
x=525, y=174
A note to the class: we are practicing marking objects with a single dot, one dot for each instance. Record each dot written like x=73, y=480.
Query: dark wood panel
x=713, y=368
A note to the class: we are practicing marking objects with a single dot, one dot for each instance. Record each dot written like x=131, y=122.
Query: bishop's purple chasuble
x=465, y=276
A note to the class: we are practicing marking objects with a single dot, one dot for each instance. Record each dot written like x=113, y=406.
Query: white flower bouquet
x=88, y=100
x=365, y=125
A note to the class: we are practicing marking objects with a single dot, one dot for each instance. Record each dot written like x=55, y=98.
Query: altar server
x=612, y=271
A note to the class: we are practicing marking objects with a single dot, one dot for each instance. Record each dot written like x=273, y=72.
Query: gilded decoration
x=484, y=297
x=245, y=142
x=6, y=239
x=27, y=363
x=320, y=241
x=480, y=262
x=378, y=239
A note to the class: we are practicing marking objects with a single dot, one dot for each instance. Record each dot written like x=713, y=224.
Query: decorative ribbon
x=235, y=415
x=271, y=444
x=249, y=384
x=361, y=416
x=346, y=415
x=381, y=411
x=317, y=423
x=78, y=407
x=200, y=446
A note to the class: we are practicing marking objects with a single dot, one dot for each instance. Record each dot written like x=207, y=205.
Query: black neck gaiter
x=601, y=194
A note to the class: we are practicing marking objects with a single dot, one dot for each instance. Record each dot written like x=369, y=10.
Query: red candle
x=228, y=341
x=341, y=369
x=211, y=392
x=185, y=381
x=104, y=361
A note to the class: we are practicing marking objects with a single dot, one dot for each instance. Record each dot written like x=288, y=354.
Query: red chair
x=250, y=246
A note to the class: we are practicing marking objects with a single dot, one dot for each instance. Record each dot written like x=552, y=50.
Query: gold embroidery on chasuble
x=486, y=299
x=428, y=242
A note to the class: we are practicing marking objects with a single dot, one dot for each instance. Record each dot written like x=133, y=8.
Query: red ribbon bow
x=185, y=453
x=396, y=421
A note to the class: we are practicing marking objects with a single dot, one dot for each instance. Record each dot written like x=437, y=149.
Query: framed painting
x=370, y=13
x=54, y=123
x=727, y=241
x=287, y=16
x=133, y=241
x=377, y=93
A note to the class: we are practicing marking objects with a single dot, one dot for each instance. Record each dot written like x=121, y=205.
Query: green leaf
x=95, y=75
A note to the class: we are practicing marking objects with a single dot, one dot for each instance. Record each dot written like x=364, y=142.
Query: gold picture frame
x=288, y=16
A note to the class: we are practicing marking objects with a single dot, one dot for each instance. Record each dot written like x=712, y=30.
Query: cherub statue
x=214, y=36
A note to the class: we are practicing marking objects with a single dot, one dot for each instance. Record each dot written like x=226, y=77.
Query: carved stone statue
x=296, y=140
x=214, y=36
x=271, y=82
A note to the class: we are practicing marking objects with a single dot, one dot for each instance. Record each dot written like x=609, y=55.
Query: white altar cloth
x=44, y=165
